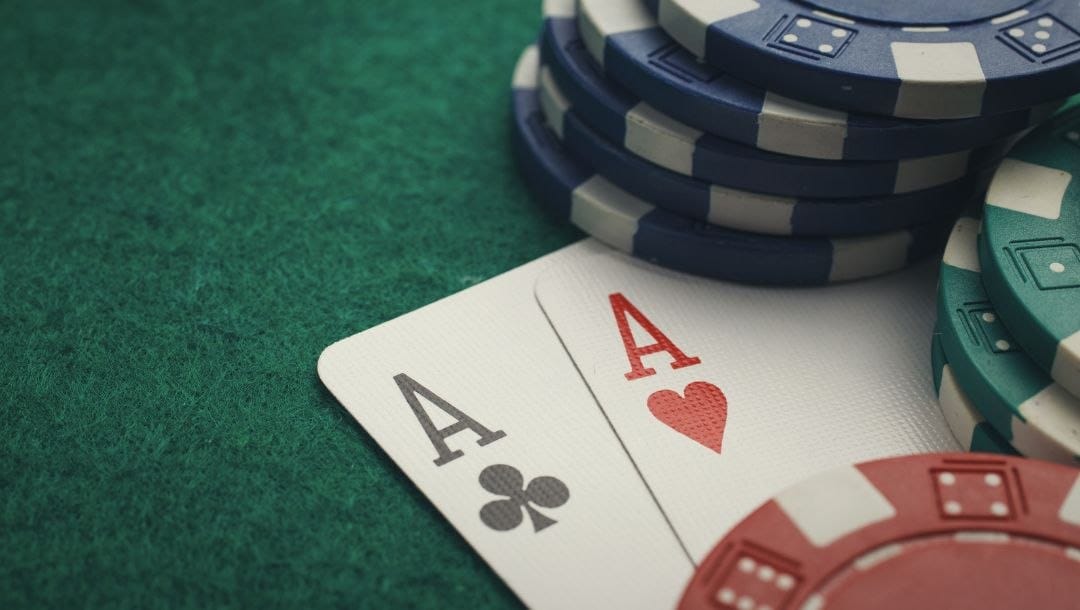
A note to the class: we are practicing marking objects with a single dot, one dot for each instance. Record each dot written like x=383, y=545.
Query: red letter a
x=621, y=306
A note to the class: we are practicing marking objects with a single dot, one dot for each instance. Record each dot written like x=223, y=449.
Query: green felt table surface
x=195, y=199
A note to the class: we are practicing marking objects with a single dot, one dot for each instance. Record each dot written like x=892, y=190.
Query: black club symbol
x=504, y=515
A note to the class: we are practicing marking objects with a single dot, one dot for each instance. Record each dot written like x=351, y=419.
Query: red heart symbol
x=700, y=414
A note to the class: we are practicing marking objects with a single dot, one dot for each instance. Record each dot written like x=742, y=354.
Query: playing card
x=724, y=394
x=476, y=401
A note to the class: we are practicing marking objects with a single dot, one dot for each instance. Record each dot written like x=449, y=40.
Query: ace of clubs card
x=476, y=401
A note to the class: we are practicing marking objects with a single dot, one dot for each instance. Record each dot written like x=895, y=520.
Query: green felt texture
x=195, y=199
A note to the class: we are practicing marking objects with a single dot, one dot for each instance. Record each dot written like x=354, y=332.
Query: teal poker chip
x=1035, y=415
x=1030, y=247
x=965, y=422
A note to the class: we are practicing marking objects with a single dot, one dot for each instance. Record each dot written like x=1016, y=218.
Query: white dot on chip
x=745, y=603
x=947, y=478
x=1073, y=135
x=992, y=479
x=1057, y=267
x=766, y=573
x=1016, y=33
x=839, y=33
x=989, y=317
x=953, y=507
x=785, y=582
x=825, y=48
x=747, y=565
x=791, y=38
x=1042, y=35
x=1046, y=22
x=803, y=23
x=725, y=596
x=1003, y=345
x=999, y=509
x=1038, y=48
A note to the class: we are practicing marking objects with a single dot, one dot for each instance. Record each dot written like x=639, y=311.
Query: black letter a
x=410, y=388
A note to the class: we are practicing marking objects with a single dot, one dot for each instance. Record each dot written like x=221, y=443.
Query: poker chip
x=958, y=531
x=744, y=210
x=636, y=52
x=573, y=192
x=652, y=135
x=1038, y=417
x=1031, y=246
x=921, y=59
x=965, y=422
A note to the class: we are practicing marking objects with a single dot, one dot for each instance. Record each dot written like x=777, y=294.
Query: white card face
x=725, y=394
x=578, y=529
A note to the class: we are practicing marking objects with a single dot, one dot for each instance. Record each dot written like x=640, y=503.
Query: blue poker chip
x=744, y=210
x=573, y=192
x=637, y=53
x=922, y=59
x=644, y=130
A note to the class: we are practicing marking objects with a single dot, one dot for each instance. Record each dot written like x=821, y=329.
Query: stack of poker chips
x=1007, y=344
x=775, y=143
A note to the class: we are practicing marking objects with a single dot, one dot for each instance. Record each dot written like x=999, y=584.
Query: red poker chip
x=957, y=530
